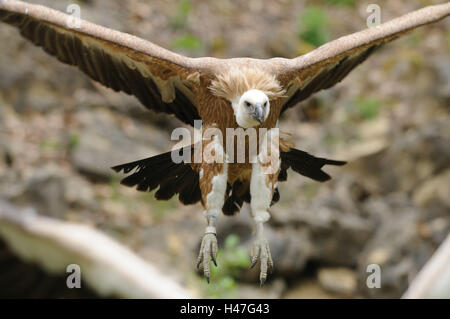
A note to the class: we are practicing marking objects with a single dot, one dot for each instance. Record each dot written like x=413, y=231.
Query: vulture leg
x=213, y=184
x=263, y=182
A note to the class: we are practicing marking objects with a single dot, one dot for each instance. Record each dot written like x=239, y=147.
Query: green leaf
x=348, y=3
x=180, y=19
x=313, y=26
x=232, y=241
x=187, y=42
x=368, y=108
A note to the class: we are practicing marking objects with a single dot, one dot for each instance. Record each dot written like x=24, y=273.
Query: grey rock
x=308, y=289
x=102, y=144
x=271, y=290
x=339, y=280
x=441, y=65
x=45, y=189
x=398, y=249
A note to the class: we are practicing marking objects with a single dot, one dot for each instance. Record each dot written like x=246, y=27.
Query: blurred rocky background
x=60, y=132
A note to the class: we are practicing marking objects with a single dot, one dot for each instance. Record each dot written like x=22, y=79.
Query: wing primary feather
x=330, y=63
x=305, y=164
x=117, y=60
x=172, y=178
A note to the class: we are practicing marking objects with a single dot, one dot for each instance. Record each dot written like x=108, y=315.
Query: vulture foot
x=260, y=250
x=208, y=248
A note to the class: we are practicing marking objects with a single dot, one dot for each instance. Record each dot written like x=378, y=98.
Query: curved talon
x=262, y=281
x=208, y=248
x=260, y=250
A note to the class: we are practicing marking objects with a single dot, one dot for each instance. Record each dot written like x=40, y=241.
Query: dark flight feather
x=171, y=178
x=305, y=164
x=160, y=170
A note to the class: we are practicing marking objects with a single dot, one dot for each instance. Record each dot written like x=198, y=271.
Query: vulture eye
x=248, y=104
x=265, y=104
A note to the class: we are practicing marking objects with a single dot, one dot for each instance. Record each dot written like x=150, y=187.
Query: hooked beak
x=259, y=113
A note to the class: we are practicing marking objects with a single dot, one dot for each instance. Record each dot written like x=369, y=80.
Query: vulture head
x=252, y=108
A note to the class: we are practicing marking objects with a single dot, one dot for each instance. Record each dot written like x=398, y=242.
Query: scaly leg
x=263, y=180
x=208, y=247
x=213, y=184
x=260, y=249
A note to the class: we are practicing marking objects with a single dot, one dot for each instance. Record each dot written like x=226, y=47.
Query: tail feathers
x=171, y=178
x=238, y=194
x=305, y=164
x=160, y=170
x=233, y=199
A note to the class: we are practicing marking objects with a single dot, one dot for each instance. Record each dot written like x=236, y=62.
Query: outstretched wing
x=162, y=80
x=330, y=63
x=160, y=171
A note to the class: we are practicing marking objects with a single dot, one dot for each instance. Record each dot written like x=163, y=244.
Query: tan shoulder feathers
x=236, y=81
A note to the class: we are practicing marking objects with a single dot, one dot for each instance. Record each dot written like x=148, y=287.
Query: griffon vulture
x=222, y=93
